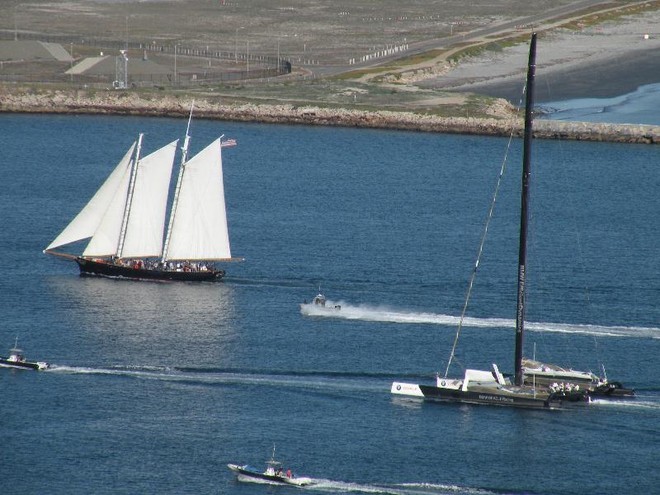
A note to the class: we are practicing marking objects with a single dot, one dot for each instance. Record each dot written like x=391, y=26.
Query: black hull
x=261, y=476
x=249, y=473
x=108, y=269
x=613, y=390
x=4, y=363
x=473, y=397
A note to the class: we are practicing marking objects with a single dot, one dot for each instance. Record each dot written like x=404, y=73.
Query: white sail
x=199, y=227
x=105, y=240
x=146, y=219
x=87, y=221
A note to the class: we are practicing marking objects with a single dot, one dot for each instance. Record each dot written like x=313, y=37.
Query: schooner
x=125, y=219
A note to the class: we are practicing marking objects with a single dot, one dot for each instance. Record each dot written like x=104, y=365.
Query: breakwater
x=133, y=103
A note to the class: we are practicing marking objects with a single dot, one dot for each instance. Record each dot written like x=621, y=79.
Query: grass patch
x=596, y=18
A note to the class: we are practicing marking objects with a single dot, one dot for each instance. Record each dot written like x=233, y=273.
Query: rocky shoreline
x=126, y=103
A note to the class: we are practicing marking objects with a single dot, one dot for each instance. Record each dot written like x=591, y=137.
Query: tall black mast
x=524, y=214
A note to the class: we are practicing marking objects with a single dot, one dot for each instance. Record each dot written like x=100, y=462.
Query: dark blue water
x=156, y=386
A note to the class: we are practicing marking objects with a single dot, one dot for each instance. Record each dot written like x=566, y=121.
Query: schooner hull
x=100, y=268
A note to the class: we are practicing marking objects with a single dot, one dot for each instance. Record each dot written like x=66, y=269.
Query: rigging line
x=479, y=254
x=491, y=210
x=578, y=237
x=537, y=265
x=580, y=259
x=582, y=266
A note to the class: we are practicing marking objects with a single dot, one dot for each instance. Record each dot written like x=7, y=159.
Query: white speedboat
x=17, y=360
x=320, y=303
x=274, y=473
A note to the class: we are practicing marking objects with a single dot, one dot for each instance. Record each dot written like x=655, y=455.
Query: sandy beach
x=605, y=60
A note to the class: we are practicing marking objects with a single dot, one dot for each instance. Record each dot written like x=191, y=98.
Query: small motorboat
x=274, y=473
x=17, y=360
x=319, y=302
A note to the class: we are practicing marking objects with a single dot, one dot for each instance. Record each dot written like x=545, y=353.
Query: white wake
x=389, y=315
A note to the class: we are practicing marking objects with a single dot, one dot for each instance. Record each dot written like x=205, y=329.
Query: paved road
x=444, y=43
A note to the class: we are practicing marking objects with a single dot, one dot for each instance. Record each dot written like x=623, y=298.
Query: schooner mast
x=177, y=189
x=129, y=197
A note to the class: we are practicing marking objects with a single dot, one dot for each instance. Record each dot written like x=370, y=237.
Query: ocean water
x=155, y=387
x=638, y=107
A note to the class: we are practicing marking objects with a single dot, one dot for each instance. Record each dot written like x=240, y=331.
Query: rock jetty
x=149, y=104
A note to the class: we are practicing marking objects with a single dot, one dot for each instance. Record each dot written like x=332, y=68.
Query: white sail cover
x=146, y=219
x=85, y=224
x=199, y=227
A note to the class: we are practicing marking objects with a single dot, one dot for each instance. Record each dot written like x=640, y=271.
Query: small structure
x=120, y=70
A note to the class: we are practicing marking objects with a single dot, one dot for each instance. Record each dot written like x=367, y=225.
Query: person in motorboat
x=319, y=300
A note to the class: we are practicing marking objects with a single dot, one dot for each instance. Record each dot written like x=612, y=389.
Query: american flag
x=227, y=143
